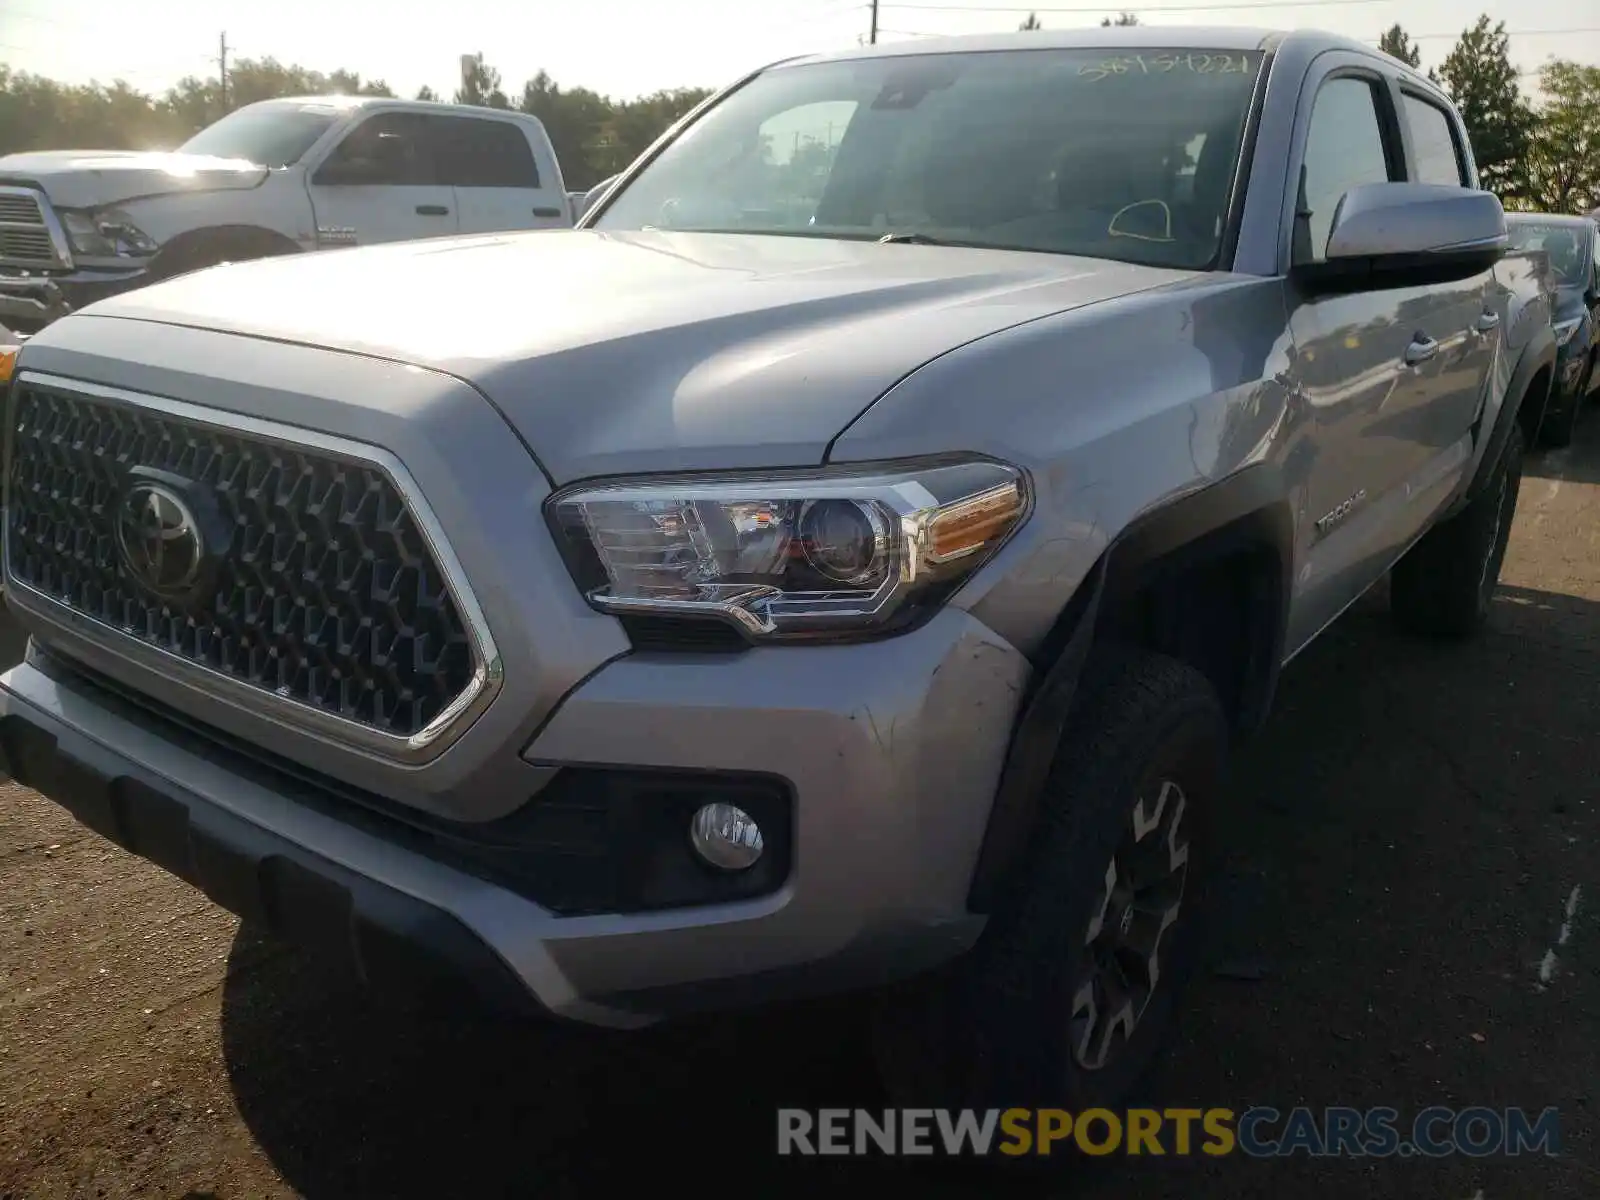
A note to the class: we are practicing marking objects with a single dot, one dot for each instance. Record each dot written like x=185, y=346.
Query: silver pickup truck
x=844, y=561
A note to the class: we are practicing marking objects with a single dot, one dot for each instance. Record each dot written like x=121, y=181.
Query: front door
x=1351, y=352
x=379, y=185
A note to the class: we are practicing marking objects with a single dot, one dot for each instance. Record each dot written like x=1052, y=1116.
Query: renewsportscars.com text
x=1258, y=1132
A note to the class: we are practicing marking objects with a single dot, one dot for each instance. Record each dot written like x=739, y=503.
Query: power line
x=1148, y=8
x=1421, y=37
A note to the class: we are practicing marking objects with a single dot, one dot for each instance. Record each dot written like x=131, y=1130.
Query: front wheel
x=1442, y=587
x=1067, y=998
x=1558, y=434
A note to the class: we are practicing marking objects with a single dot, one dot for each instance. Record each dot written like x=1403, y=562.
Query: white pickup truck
x=277, y=177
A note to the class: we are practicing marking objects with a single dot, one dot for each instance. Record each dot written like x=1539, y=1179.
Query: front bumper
x=30, y=302
x=892, y=750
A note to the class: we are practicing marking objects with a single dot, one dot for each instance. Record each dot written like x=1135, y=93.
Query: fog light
x=726, y=836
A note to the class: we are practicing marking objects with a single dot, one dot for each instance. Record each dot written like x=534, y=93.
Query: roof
x=351, y=103
x=343, y=102
x=1115, y=37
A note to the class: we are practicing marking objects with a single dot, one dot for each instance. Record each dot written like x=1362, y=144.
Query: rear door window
x=474, y=152
x=1433, y=143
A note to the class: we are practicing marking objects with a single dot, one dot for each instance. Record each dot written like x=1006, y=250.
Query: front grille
x=325, y=592
x=30, y=245
x=24, y=238
x=23, y=209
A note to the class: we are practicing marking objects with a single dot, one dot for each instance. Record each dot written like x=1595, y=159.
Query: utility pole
x=222, y=69
x=872, y=37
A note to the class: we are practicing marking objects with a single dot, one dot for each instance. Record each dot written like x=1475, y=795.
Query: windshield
x=1125, y=156
x=1567, y=246
x=269, y=135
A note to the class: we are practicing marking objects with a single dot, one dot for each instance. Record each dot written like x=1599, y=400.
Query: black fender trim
x=1540, y=352
x=1033, y=748
x=173, y=252
x=1247, y=511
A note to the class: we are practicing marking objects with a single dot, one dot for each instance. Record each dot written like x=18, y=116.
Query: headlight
x=827, y=553
x=1565, y=330
x=108, y=233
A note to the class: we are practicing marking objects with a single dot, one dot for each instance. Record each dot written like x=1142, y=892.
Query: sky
x=625, y=48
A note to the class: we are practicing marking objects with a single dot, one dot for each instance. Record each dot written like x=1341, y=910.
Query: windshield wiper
x=910, y=239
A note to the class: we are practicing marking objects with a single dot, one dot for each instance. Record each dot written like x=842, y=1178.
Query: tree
x=1031, y=23
x=1397, y=43
x=575, y=121
x=426, y=93
x=1481, y=80
x=594, y=135
x=480, y=84
x=635, y=124
x=1564, y=158
x=1123, y=19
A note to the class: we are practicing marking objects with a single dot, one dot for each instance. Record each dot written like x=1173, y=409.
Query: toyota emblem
x=159, y=539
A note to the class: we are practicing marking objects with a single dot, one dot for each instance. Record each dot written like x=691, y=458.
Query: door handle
x=1487, y=322
x=432, y=210
x=1421, y=349
x=547, y=212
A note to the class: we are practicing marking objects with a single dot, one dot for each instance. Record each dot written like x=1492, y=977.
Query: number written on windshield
x=1162, y=64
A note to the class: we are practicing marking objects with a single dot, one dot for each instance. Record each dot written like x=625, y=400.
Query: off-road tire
x=993, y=1031
x=1442, y=587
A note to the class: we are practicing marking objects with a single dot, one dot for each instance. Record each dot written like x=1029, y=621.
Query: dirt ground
x=1406, y=838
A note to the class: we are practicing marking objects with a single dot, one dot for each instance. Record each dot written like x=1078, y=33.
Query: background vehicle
x=1573, y=247
x=593, y=194
x=771, y=602
x=272, y=178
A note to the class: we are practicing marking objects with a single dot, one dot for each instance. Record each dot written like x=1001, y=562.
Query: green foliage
x=480, y=84
x=1563, y=173
x=594, y=136
x=1479, y=77
x=1123, y=19
x=1397, y=43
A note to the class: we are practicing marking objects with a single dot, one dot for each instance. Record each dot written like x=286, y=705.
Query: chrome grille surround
x=485, y=670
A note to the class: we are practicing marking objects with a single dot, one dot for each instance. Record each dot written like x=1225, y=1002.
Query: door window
x=386, y=150
x=475, y=153
x=1433, y=144
x=1345, y=148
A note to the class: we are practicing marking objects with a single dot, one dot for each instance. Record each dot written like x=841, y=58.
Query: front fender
x=275, y=207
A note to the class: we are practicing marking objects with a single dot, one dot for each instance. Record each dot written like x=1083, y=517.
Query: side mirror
x=1388, y=235
x=594, y=194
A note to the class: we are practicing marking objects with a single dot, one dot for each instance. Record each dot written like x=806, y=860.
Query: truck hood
x=623, y=352
x=92, y=178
